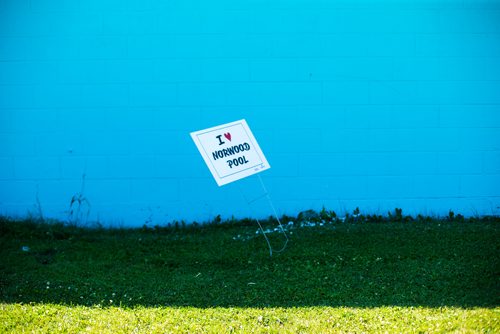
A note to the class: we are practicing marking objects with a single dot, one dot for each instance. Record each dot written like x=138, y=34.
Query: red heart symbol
x=228, y=136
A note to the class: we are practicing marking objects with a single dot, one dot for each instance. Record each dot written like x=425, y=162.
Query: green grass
x=357, y=276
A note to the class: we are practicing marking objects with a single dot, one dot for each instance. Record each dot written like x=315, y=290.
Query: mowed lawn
x=423, y=275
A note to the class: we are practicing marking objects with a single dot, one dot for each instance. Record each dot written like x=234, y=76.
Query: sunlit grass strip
x=48, y=318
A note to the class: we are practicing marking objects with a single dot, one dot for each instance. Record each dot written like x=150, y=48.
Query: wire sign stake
x=231, y=153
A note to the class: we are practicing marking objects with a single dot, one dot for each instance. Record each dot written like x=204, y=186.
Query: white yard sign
x=230, y=151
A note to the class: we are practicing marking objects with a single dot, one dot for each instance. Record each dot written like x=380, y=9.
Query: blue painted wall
x=369, y=104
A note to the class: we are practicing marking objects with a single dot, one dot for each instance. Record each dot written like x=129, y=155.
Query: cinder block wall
x=369, y=104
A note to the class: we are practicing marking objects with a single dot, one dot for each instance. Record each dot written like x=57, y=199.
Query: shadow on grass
x=427, y=264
